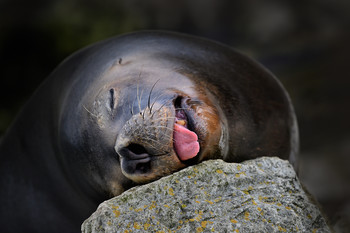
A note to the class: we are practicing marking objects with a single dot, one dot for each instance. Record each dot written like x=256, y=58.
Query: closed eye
x=112, y=98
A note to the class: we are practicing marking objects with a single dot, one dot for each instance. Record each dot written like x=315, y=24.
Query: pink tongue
x=185, y=142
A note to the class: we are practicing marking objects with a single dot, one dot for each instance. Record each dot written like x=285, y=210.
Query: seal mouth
x=185, y=138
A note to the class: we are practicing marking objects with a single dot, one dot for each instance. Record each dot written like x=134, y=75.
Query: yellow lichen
x=246, y=216
x=204, y=224
x=199, y=229
x=137, y=225
x=282, y=229
x=152, y=206
x=116, y=211
x=171, y=191
x=234, y=221
x=146, y=226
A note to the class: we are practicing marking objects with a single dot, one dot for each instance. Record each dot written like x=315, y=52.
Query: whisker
x=149, y=97
x=90, y=112
x=157, y=142
x=161, y=118
x=137, y=91
x=132, y=106
x=155, y=100
x=162, y=106
x=183, y=108
x=159, y=126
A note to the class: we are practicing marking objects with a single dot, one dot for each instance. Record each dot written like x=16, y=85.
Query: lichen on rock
x=260, y=195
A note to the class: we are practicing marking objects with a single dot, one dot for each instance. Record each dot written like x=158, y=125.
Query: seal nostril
x=136, y=149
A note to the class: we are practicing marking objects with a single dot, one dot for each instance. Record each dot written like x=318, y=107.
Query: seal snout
x=146, y=142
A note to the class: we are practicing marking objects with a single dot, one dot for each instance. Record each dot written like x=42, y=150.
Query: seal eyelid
x=112, y=98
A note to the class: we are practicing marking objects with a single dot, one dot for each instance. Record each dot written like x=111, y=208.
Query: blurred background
x=306, y=44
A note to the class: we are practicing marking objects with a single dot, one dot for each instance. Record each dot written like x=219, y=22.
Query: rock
x=261, y=195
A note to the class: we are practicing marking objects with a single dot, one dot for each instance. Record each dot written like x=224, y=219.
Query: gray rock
x=261, y=195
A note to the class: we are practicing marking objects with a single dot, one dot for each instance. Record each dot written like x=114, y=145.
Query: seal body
x=130, y=110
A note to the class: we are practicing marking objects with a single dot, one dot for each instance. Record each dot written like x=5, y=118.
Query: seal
x=129, y=110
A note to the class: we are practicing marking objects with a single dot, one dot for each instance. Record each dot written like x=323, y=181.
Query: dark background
x=305, y=44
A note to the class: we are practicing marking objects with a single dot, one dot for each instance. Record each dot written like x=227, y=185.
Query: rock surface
x=261, y=195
